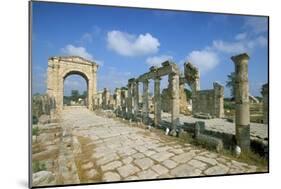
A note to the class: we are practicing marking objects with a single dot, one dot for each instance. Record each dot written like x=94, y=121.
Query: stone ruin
x=184, y=101
x=130, y=105
x=42, y=105
x=209, y=102
x=127, y=102
x=61, y=67
x=242, y=107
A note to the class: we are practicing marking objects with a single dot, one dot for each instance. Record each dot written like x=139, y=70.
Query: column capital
x=131, y=80
x=240, y=58
x=173, y=74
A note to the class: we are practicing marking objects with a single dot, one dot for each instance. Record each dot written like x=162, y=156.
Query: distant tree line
x=75, y=95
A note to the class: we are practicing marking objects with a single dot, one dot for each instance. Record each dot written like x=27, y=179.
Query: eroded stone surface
x=112, y=150
x=111, y=166
x=127, y=170
x=111, y=176
x=143, y=163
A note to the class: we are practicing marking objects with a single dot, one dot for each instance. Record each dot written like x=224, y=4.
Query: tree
x=74, y=95
x=84, y=95
x=230, y=83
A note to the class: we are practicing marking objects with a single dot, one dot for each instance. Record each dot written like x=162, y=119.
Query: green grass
x=38, y=166
x=35, y=131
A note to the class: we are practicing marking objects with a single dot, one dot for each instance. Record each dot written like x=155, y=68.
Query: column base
x=243, y=137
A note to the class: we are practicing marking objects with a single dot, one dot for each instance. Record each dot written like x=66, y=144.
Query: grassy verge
x=38, y=166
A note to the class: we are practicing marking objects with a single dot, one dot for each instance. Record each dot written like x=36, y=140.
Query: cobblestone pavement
x=112, y=150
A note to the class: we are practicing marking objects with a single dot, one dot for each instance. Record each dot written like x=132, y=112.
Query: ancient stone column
x=117, y=98
x=130, y=100
x=123, y=99
x=89, y=99
x=218, y=100
x=145, y=108
x=265, y=102
x=105, y=98
x=93, y=90
x=175, y=99
x=136, y=98
x=157, y=101
x=242, y=112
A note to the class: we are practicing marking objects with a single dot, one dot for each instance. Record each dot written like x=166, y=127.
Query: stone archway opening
x=75, y=89
x=61, y=67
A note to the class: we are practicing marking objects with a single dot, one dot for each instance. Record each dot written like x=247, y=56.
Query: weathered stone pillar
x=242, y=112
x=105, y=98
x=157, y=101
x=123, y=102
x=265, y=102
x=117, y=98
x=93, y=96
x=89, y=99
x=130, y=99
x=218, y=100
x=145, y=108
x=136, y=98
x=175, y=99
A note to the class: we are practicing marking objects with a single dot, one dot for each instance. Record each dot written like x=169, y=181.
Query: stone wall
x=166, y=101
x=209, y=101
x=42, y=105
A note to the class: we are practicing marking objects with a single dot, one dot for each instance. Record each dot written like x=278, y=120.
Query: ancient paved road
x=112, y=150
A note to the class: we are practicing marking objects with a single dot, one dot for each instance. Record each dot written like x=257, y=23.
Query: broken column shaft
x=129, y=101
x=242, y=112
x=157, y=101
x=136, y=98
x=175, y=107
x=145, y=101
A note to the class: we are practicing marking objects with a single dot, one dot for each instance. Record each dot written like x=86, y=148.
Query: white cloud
x=240, y=46
x=86, y=38
x=205, y=60
x=229, y=47
x=77, y=51
x=72, y=50
x=241, y=36
x=157, y=60
x=130, y=45
x=260, y=41
x=256, y=24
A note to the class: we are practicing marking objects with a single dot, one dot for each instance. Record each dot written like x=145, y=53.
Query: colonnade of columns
x=133, y=105
x=130, y=97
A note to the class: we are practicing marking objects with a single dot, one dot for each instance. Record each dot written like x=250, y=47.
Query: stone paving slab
x=116, y=150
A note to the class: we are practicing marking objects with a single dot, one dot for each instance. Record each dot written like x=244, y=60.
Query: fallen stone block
x=210, y=142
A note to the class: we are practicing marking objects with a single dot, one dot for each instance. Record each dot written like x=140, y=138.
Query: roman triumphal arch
x=61, y=67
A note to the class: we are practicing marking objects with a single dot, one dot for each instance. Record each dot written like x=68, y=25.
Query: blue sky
x=125, y=42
